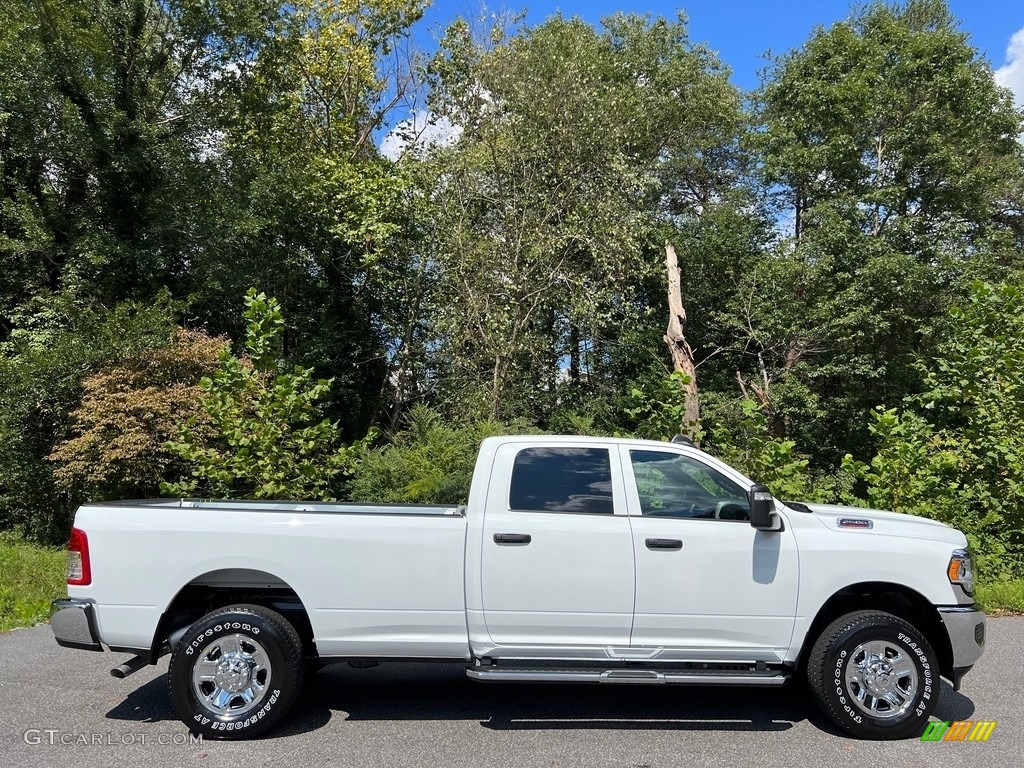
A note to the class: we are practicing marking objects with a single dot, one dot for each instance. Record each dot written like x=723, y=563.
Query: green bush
x=427, y=462
x=955, y=453
x=744, y=441
x=738, y=433
x=128, y=411
x=57, y=343
x=1002, y=596
x=263, y=435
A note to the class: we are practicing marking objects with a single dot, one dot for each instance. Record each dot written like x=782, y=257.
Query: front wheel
x=236, y=672
x=874, y=675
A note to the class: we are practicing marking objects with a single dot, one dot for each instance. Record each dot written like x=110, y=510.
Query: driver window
x=670, y=485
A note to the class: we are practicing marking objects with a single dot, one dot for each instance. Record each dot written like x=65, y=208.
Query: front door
x=557, y=555
x=708, y=585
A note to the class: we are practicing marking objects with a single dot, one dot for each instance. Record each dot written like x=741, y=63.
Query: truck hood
x=861, y=521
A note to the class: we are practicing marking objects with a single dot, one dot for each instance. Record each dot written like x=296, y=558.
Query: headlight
x=961, y=570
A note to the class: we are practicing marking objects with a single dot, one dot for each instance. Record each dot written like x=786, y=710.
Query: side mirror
x=762, y=505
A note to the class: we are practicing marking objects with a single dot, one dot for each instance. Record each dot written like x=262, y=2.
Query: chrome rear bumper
x=74, y=624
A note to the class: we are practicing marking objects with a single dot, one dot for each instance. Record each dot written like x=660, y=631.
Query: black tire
x=254, y=658
x=871, y=652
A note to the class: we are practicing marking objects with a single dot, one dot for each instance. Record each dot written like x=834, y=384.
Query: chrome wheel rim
x=882, y=679
x=231, y=675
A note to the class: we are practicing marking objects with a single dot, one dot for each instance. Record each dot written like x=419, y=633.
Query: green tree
x=106, y=139
x=57, y=344
x=578, y=147
x=309, y=211
x=955, y=452
x=261, y=435
x=894, y=157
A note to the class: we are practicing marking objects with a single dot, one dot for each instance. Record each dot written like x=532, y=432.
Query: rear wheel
x=236, y=672
x=874, y=675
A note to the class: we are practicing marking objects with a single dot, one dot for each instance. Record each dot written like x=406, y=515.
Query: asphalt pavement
x=61, y=707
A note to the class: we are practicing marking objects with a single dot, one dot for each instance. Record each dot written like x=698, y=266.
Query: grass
x=1002, y=598
x=30, y=577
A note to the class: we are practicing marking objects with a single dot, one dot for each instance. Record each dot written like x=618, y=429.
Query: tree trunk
x=678, y=348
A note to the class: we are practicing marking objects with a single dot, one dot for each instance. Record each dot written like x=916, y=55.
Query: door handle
x=512, y=538
x=664, y=544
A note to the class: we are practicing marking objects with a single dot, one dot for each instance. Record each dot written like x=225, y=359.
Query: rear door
x=557, y=555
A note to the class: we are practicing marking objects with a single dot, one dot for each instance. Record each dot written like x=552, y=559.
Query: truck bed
x=375, y=580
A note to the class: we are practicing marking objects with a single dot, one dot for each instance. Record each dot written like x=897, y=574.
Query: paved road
x=422, y=715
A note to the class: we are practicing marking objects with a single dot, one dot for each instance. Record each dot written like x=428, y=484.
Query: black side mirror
x=761, y=507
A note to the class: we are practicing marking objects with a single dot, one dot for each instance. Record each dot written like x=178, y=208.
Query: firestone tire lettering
x=283, y=647
x=830, y=656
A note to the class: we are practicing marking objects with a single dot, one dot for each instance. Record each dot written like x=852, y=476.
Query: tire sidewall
x=280, y=685
x=834, y=689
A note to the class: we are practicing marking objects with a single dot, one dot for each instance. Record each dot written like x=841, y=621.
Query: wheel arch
x=897, y=599
x=227, y=586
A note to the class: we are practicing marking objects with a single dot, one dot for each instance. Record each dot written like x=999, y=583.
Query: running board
x=625, y=676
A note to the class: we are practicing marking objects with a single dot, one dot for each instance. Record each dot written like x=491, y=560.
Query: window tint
x=670, y=485
x=562, y=480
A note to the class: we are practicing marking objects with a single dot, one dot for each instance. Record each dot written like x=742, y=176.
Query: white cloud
x=1011, y=74
x=419, y=133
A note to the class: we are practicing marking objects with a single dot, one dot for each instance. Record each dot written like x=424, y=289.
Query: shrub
x=260, y=433
x=427, y=462
x=956, y=452
x=127, y=414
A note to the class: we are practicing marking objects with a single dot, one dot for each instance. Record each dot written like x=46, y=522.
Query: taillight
x=79, y=573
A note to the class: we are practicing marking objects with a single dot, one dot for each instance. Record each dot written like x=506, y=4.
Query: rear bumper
x=74, y=624
x=965, y=626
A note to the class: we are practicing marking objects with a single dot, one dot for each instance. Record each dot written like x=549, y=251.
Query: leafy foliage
x=59, y=343
x=738, y=434
x=127, y=413
x=955, y=452
x=575, y=144
x=892, y=155
x=31, y=577
x=658, y=414
x=428, y=461
x=748, y=444
x=261, y=434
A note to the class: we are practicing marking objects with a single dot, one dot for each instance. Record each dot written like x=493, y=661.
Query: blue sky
x=742, y=30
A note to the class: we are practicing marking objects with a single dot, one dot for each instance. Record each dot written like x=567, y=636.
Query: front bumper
x=74, y=624
x=965, y=626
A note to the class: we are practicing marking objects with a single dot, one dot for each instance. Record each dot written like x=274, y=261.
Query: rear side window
x=577, y=480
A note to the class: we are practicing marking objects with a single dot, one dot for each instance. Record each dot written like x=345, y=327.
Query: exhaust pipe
x=129, y=667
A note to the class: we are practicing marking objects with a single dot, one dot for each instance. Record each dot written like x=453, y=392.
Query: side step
x=625, y=676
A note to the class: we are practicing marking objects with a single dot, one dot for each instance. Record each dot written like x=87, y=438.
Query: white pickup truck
x=576, y=560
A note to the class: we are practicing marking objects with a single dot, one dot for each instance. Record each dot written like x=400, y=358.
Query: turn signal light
x=961, y=570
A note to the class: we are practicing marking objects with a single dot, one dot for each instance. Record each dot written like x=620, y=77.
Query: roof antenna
x=682, y=439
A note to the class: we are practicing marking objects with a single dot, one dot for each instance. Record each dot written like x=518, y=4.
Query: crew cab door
x=556, y=559
x=708, y=585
